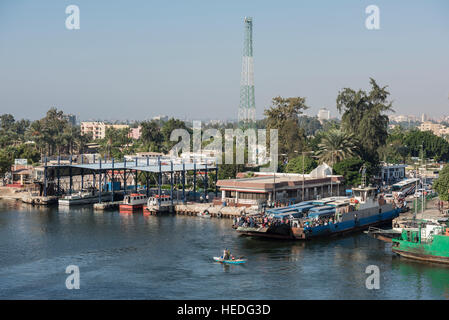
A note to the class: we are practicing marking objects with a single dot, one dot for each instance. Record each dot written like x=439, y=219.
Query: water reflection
x=424, y=275
x=170, y=257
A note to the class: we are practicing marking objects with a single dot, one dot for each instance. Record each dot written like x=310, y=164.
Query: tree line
x=360, y=137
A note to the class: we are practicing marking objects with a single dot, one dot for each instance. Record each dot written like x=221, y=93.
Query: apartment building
x=98, y=129
x=436, y=128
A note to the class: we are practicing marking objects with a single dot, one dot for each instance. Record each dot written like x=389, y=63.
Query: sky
x=132, y=60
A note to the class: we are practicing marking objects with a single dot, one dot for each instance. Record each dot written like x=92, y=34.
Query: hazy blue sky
x=137, y=59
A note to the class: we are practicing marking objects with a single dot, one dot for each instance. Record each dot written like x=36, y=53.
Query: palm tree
x=336, y=145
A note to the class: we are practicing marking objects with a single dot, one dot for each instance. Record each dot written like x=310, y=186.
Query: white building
x=324, y=114
x=392, y=173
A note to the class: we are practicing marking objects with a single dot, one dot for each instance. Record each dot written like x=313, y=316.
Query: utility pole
x=303, y=155
x=422, y=181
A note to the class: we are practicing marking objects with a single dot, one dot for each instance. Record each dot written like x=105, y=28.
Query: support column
x=159, y=180
x=206, y=182
x=147, y=179
x=183, y=182
x=124, y=175
x=148, y=185
x=135, y=179
x=216, y=179
x=58, y=178
x=94, y=185
x=70, y=176
x=99, y=184
x=82, y=173
x=45, y=177
x=194, y=181
x=112, y=181
x=171, y=181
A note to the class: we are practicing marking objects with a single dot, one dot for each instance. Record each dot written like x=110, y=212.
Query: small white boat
x=82, y=197
x=160, y=204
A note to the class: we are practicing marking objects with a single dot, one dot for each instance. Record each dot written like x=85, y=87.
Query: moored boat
x=133, y=202
x=430, y=244
x=323, y=218
x=83, y=197
x=160, y=204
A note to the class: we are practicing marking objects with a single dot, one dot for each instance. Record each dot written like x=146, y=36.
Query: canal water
x=132, y=256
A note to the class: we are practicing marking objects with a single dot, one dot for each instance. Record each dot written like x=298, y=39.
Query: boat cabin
x=364, y=197
x=135, y=198
x=164, y=200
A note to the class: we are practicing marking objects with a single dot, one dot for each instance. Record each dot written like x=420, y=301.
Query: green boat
x=429, y=244
x=230, y=261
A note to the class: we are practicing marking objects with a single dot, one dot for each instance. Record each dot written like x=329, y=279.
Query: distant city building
x=324, y=114
x=98, y=129
x=403, y=118
x=424, y=117
x=71, y=118
x=436, y=128
x=135, y=133
x=162, y=118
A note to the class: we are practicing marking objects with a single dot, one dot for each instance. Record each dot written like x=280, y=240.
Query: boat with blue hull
x=322, y=218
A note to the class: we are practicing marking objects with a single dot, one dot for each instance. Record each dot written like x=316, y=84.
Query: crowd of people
x=262, y=221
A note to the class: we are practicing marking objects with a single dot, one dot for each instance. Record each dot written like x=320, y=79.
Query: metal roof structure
x=152, y=166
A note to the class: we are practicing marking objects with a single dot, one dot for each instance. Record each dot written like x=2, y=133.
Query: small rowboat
x=235, y=261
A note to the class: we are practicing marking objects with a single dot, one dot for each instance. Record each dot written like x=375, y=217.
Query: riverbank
x=138, y=256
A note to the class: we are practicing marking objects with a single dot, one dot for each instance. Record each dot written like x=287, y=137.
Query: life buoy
x=219, y=214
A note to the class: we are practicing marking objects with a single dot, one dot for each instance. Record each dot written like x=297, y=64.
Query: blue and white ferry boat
x=322, y=218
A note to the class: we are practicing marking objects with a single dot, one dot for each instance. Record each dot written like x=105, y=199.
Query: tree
x=283, y=115
x=5, y=162
x=364, y=117
x=350, y=170
x=432, y=145
x=441, y=185
x=336, y=146
x=151, y=135
x=310, y=125
x=167, y=129
x=295, y=165
x=116, y=143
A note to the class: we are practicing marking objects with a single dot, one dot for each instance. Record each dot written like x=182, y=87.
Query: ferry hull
x=435, y=251
x=421, y=256
x=329, y=230
x=130, y=208
x=106, y=196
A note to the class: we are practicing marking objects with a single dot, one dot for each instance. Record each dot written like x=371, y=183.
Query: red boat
x=133, y=202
